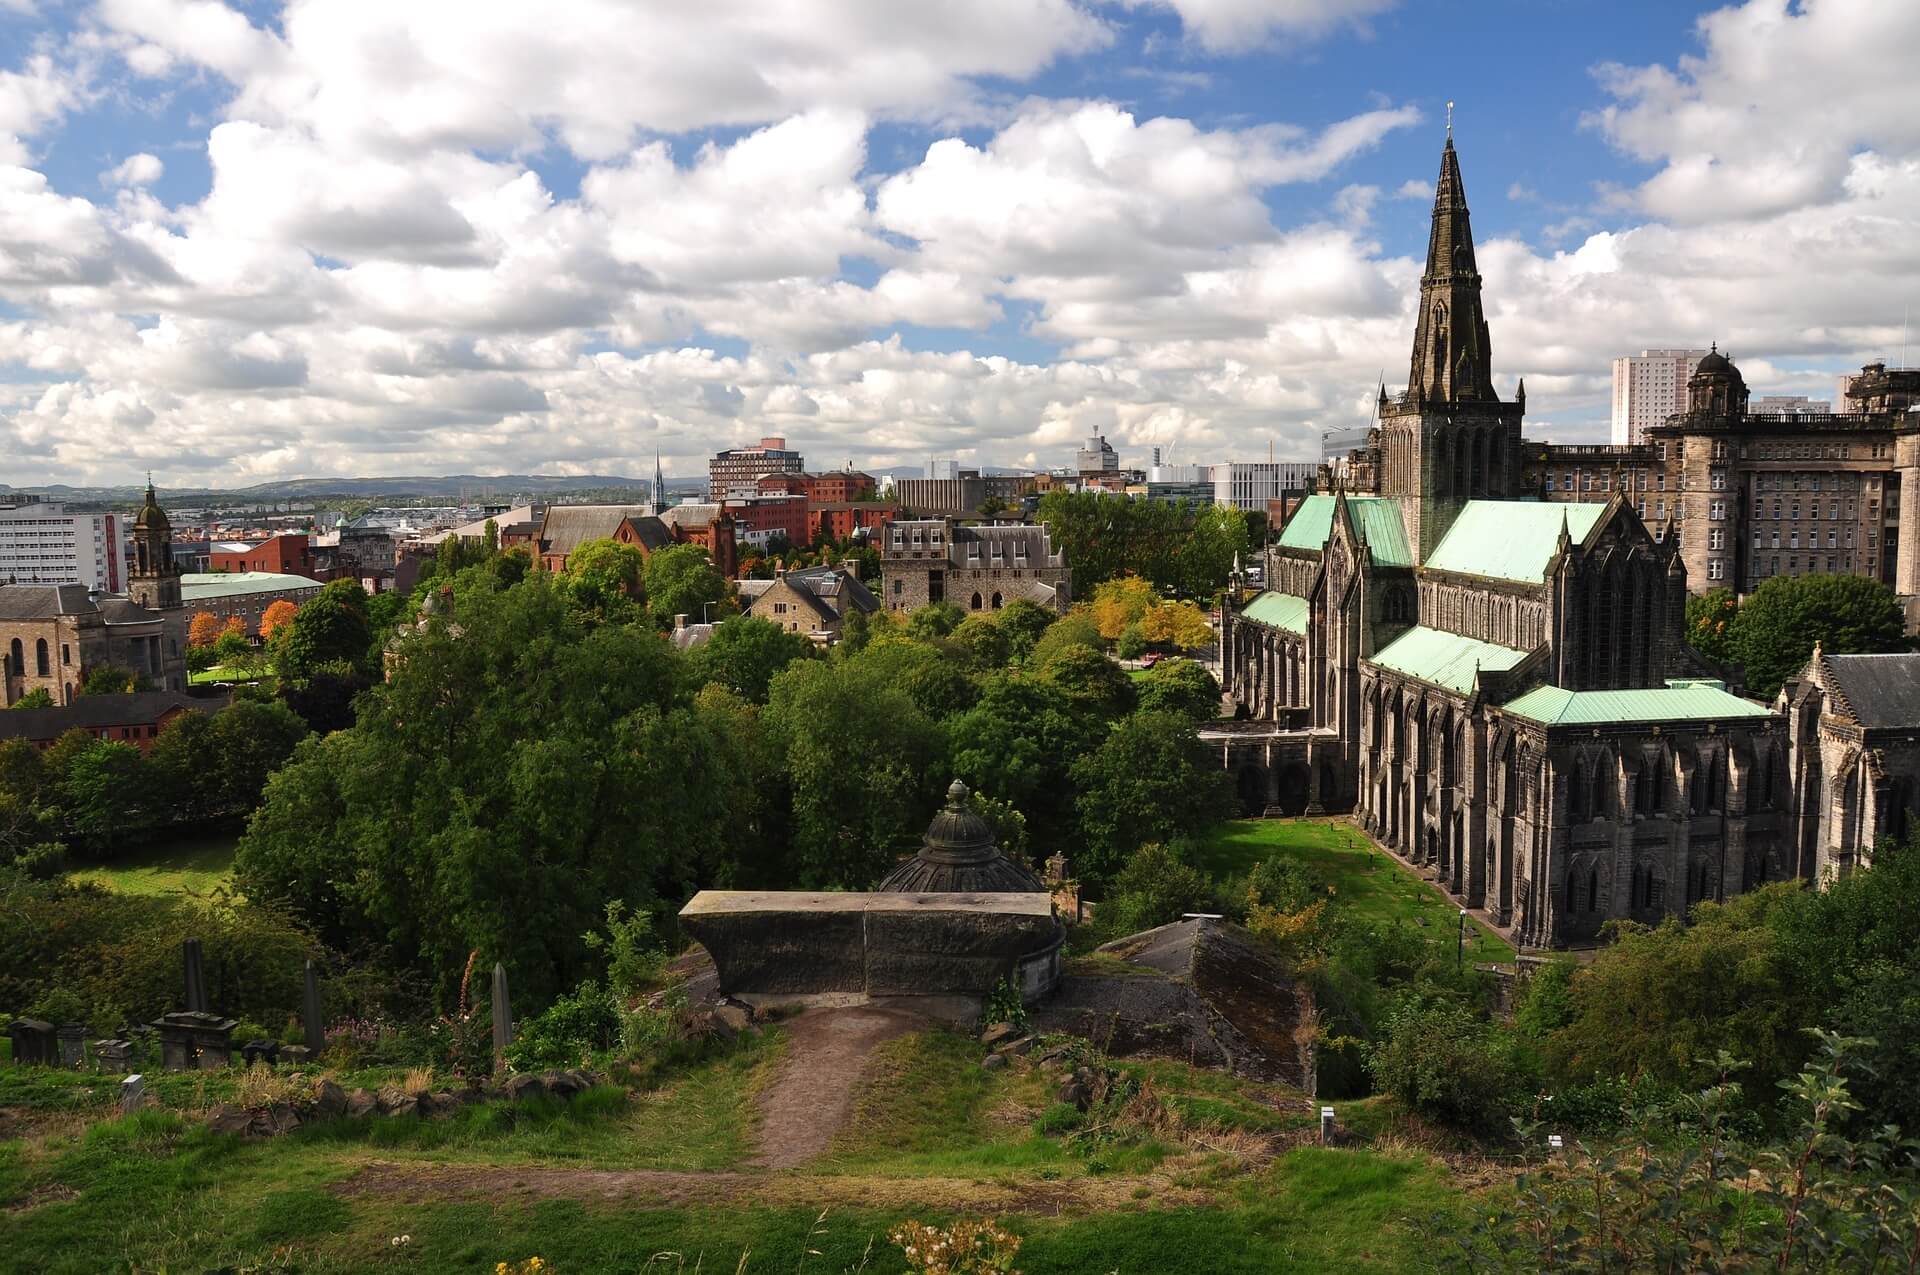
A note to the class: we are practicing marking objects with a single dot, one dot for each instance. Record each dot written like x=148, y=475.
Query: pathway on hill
x=812, y=1096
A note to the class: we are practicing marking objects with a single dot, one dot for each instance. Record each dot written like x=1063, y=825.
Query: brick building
x=841, y=520
x=814, y=601
x=565, y=528
x=241, y=595
x=959, y=497
x=760, y=519
x=974, y=568
x=135, y=719
x=738, y=470
x=286, y=554
x=835, y=485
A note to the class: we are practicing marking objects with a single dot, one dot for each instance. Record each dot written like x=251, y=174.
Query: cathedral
x=1497, y=685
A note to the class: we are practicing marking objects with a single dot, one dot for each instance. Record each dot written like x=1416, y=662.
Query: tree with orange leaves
x=204, y=630
x=279, y=613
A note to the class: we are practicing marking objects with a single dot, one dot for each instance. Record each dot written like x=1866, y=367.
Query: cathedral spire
x=1452, y=360
x=659, y=485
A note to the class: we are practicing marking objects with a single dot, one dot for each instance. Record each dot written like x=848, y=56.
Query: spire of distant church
x=1451, y=352
x=659, y=485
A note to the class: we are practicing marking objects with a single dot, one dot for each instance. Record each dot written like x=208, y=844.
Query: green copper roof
x=1445, y=659
x=1510, y=539
x=199, y=586
x=1377, y=518
x=1677, y=701
x=1279, y=610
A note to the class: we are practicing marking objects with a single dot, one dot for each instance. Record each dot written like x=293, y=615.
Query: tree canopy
x=1777, y=627
x=744, y=653
x=682, y=580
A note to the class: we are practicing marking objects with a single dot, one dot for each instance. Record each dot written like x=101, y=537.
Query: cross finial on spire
x=1449, y=119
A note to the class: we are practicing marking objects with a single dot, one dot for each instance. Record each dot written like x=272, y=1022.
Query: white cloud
x=135, y=170
x=1229, y=26
x=32, y=98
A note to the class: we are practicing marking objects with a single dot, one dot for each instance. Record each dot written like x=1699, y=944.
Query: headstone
x=133, y=1092
x=502, y=1013
x=295, y=1055
x=316, y=1030
x=266, y=1051
x=190, y=1039
x=1326, y=1126
x=114, y=1056
x=33, y=1042
x=73, y=1044
x=196, y=979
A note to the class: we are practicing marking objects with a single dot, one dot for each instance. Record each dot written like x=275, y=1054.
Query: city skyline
x=986, y=236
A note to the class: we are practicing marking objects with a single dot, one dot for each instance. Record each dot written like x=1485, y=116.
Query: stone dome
x=958, y=856
x=1715, y=364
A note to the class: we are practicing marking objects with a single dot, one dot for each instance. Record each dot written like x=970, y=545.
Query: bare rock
x=275, y=1120
x=1075, y=1092
x=329, y=1100
x=583, y=1078
x=1015, y=1047
x=997, y=1033
x=994, y=1062
x=227, y=1118
x=407, y=1106
x=362, y=1102
x=562, y=1084
x=388, y=1097
x=295, y=1055
x=525, y=1086
x=732, y=1019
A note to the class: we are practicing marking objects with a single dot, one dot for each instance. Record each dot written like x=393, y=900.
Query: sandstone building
x=1853, y=728
x=1497, y=684
x=976, y=568
x=814, y=602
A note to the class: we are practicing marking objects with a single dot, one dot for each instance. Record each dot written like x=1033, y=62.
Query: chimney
x=679, y=621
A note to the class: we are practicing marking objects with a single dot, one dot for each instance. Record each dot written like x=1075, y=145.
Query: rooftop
x=1511, y=539
x=1444, y=659
x=1377, y=517
x=1679, y=700
x=1880, y=691
x=199, y=587
x=1279, y=611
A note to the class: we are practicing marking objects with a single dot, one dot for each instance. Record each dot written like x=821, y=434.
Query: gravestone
x=73, y=1044
x=191, y=1039
x=310, y=1006
x=133, y=1092
x=114, y=1056
x=502, y=1014
x=1326, y=1125
x=196, y=978
x=33, y=1042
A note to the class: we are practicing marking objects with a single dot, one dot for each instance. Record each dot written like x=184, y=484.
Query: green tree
x=108, y=679
x=744, y=653
x=38, y=697
x=1075, y=628
x=1023, y=622
x=1132, y=644
x=1091, y=678
x=603, y=579
x=934, y=620
x=1149, y=780
x=985, y=642
x=1787, y=616
x=1158, y=886
x=103, y=794
x=1182, y=687
x=1712, y=619
x=1446, y=1062
x=864, y=764
x=1018, y=744
x=682, y=580
x=935, y=678
x=233, y=650
x=329, y=630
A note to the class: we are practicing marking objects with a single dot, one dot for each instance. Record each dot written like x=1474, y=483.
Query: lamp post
x=1460, y=949
x=706, y=613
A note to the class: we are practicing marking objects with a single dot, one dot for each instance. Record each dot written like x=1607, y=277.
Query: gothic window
x=1593, y=890
x=1577, y=793
x=973, y=603
x=17, y=660
x=41, y=665
x=996, y=602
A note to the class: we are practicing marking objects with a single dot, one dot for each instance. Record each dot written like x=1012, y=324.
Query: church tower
x=154, y=580
x=1448, y=439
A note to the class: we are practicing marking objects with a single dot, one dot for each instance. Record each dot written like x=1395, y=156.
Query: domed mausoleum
x=958, y=856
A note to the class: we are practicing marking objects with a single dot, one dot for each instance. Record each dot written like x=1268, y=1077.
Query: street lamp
x=706, y=613
x=1460, y=949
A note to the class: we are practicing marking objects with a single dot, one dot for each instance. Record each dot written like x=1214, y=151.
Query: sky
x=246, y=240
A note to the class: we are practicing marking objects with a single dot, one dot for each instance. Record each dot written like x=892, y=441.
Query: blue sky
x=259, y=241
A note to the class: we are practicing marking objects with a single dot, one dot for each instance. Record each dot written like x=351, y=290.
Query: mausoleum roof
x=958, y=855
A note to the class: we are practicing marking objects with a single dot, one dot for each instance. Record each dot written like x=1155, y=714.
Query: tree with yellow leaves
x=281, y=612
x=203, y=629
x=1120, y=602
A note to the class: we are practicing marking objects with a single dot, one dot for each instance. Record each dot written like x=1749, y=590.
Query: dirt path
x=811, y=1098
x=423, y=1184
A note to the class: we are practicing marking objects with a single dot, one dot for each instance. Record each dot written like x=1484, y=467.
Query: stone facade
x=1853, y=726
x=1498, y=686
x=52, y=636
x=813, y=602
x=976, y=568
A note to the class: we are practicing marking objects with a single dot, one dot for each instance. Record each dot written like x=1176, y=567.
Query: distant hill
x=448, y=485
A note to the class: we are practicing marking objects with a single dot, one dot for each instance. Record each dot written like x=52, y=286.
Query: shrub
x=968, y=1247
x=1059, y=1118
x=581, y=1023
x=1545, y=1004
x=1157, y=886
x=1284, y=883
x=1447, y=1063
x=1132, y=643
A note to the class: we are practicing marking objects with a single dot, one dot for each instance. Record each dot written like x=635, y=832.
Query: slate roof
x=827, y=590
x=43, y=601
x=1679, y=700
x=1879, y=691
x=690, y=515
x=567, y=527
x=1444, y=659
x=96, y=712
x=1511, y=539
x=202, y=587
x=1377, y=517
x=1279, y=611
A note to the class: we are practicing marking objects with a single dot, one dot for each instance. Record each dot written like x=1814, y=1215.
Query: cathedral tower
x=154, y=580
x=1448, y=439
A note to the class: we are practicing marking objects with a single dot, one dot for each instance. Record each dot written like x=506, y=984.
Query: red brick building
x=838, y=485
x=838, y=520
x=289, y=554
x=761, y=518
x=135, y=719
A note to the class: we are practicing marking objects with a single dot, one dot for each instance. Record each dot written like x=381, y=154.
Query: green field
x=190, y=865
x=613, y=1180
x=1367, y=882
x=220, y=673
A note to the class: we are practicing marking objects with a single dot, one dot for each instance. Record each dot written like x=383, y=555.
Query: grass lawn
x=611, y=1181
x=190, y=865
x=1366, y=881
x=221, y=673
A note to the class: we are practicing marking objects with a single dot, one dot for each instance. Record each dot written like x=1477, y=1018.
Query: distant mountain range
x=449, y=485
